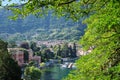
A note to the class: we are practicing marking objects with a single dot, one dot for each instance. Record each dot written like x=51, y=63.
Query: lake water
x=54, y=73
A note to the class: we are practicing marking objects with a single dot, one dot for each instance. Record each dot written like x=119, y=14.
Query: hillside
x=45, y=28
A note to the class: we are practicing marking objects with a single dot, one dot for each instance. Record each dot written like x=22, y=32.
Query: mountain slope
x=44, y=28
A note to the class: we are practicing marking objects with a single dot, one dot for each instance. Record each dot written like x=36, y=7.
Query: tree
x=38, y=8
x=32, y=73
x=41, y=53
x=48, y=54
x=59, y=51
x=26, y=56
x=34, y=47
x=103, y=32
x=9, y=69
x=45, y=54
x=24, y=45
x=74, y=50
x=70, y=51
x=65, y=51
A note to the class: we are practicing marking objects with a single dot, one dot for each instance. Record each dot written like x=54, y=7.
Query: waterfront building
x=23, y=56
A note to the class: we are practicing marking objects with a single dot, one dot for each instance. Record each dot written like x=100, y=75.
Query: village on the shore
x=23, y=53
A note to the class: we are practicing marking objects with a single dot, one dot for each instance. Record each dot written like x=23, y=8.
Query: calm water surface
x=54, y=73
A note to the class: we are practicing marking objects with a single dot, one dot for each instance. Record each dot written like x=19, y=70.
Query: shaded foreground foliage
x=9, y=69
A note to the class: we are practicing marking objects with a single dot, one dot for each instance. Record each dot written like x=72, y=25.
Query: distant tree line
x=57, y=52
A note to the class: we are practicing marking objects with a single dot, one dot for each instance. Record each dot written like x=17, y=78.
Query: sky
x=6, y=2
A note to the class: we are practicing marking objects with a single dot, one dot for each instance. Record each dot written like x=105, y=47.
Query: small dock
x=68, y=65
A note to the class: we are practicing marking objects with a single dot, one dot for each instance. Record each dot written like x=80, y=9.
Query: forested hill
x=44, y=28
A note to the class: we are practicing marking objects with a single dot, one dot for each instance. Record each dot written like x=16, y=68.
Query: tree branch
x=66, y=2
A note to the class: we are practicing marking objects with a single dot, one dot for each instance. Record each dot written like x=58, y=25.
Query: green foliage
x=12, y=44
x=57, y=52
x=74, y=50
x=103, y=33
x=65, y=51
x=24, y=45
x=48, y=54
x=45, y=54
x=9, y=69
x=31, y=63
x=32, y=73
x=34, y=47
x=68, y=51
x=32, y=28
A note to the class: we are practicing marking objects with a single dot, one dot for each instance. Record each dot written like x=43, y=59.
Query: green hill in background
x=45, y=28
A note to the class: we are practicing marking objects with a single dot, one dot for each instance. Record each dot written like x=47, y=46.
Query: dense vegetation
x=31, y=72
x=53, y=52
x=102, y=33
x=44, y=28
x=57, y=52
x=9, y=69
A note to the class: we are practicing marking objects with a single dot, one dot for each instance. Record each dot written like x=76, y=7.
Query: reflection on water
x=54, y=73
